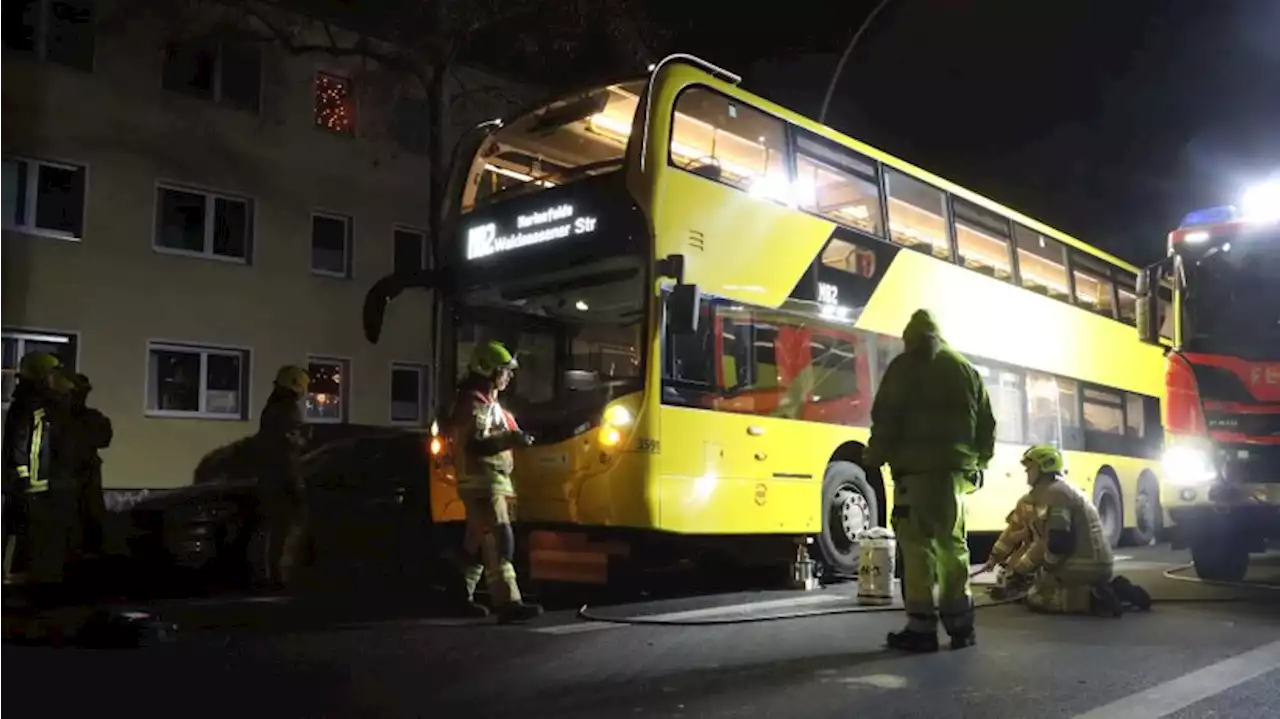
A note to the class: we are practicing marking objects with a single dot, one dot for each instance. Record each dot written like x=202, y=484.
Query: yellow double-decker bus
x=704, y=289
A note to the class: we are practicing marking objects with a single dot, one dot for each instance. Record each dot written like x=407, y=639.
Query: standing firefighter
x=932, y=422
x=93, y=433
x=1055, y=546
x=39, y=480
x=483, y=435
x=281, y=500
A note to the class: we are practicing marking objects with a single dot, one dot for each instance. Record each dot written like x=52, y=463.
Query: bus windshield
x=1233, y=298
x=577, y=336
x=569, y=139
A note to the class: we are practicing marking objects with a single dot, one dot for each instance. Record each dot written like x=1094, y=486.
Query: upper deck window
x=729, y=142
x=1094, y=289
x=982, y=238
x=1042, y=264
x=917, y=214
x=567, y=140
x=838, y=184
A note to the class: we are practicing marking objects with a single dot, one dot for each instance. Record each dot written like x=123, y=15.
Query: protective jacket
x=932, y=412
x=1066, y=534
x=280, y=440
x=484, y=434
x=37, y=449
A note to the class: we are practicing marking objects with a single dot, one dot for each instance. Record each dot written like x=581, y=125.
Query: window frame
x=947, y=207
x=353, y=96
x=1096, y=269
x=795, y=152
x=344, y=389
x=211, y=196
x=1020, y=376
x=41, y=50
x=348, y=247
x=204, y=350
x=217, y=93
x=32, y=199
x=427, y=261
x=1009, y=239
x=1066, y=262
x=22, y=334
x=424, y=401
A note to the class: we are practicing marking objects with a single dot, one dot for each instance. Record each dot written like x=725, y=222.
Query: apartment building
x=181, y=218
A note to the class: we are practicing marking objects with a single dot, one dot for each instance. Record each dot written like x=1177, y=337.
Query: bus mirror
x=1147, y=316
x=682, y=309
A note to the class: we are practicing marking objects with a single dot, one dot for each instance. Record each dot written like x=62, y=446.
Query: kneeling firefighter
x=1055, y=549
x=483, y=435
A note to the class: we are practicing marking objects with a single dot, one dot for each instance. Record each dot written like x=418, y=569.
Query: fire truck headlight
x=1186, y=465
x=1261, y=203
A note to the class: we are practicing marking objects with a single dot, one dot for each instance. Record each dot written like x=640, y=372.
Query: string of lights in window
x=334, y=111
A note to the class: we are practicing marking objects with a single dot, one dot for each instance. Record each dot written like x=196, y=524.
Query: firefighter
x=1064, y=561
x=282, y=507
x=39, y=481
x=93, y=433
x=932, y=423
x=483, y=435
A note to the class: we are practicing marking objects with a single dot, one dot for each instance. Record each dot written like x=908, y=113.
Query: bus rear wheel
x=1106, y=497
x=849, y=506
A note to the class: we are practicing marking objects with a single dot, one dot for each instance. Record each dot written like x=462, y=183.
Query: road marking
x=1165, y=699
x=705, y=613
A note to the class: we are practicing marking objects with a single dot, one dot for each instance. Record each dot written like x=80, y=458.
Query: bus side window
x=982, y=240
x=1094, y=289
x=1005, y=389
x=1051, y=411
x=729, y=142
x=917, y=214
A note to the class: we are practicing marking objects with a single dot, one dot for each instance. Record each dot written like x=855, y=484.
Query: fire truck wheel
x=849, y=506
x=1219, y=555
x=1106, y=497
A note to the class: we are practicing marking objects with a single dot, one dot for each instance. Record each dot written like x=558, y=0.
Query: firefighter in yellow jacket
x=1055, y=549
x=932, y=422
x=483, y=435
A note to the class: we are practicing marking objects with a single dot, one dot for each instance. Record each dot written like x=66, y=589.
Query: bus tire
x=1106, y=498
x=849, y=505
x=1148, y=514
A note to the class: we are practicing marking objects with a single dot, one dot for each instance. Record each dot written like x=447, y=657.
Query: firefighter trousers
x=488, y=548
x=928, y=518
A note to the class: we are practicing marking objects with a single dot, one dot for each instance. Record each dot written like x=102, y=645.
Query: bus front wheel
x=849, y=506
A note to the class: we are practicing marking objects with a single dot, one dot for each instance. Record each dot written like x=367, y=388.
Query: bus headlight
x=1188, y=465
x=616, y=418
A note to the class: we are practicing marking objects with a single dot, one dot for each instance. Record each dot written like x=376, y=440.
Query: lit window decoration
x=334, y=106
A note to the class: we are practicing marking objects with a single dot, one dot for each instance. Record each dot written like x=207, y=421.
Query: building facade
x=181, y=218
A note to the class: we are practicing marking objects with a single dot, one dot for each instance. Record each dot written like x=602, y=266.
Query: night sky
x=1106, y=119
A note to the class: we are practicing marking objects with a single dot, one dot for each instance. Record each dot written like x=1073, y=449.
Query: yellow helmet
x=489, y=357
x=62, y=383
x=1046, y=457
x=37, y=365
x=293, y=378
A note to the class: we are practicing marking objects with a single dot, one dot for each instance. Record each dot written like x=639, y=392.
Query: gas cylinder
x=877, y=556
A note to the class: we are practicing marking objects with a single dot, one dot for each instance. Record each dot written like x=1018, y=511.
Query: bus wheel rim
x=853, y=510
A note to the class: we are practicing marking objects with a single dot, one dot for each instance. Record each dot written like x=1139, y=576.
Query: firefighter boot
x=963, y=639
x=913, y=642
x=516, y=612
x=1131, y=594
x=1104, y=602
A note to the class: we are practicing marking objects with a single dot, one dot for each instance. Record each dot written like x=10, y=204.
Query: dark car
x=368, y=512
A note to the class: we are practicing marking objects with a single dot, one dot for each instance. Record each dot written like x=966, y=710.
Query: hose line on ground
x=585, y=613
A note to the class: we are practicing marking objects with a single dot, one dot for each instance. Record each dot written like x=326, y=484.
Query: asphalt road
x=1183, y=659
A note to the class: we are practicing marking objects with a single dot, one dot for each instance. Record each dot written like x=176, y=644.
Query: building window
x=44, y=198
x=837, y=184
x=1042, y=264
x=410, y=250
x=409, y=125
x=1094, y=289
x=331, y=245
x=729, y=142
x=328, y=393
x=18, y=343
x=225, y=73
x=917, y=215
x=203, y=223
x=335, y=104
x=195, y=381
x=1004, y=387
x=982, y=240
x=408, y=393
x=60, y=31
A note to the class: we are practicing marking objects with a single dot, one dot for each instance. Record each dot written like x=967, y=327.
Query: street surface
x=1216, y=652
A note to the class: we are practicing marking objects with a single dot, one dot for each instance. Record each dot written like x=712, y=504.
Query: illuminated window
x=1042, y=264
x=917, y=215
x=18, y=343
x=193, y=381
x=1094, y=289
x=726, y=141
x=982, y=240
x=848, y=257
x=837, y=184
x=1103, y=412
x=1051, y=411
x=327, y=394
x=335, y=104
x=1004, y=387
x=1127, y=297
